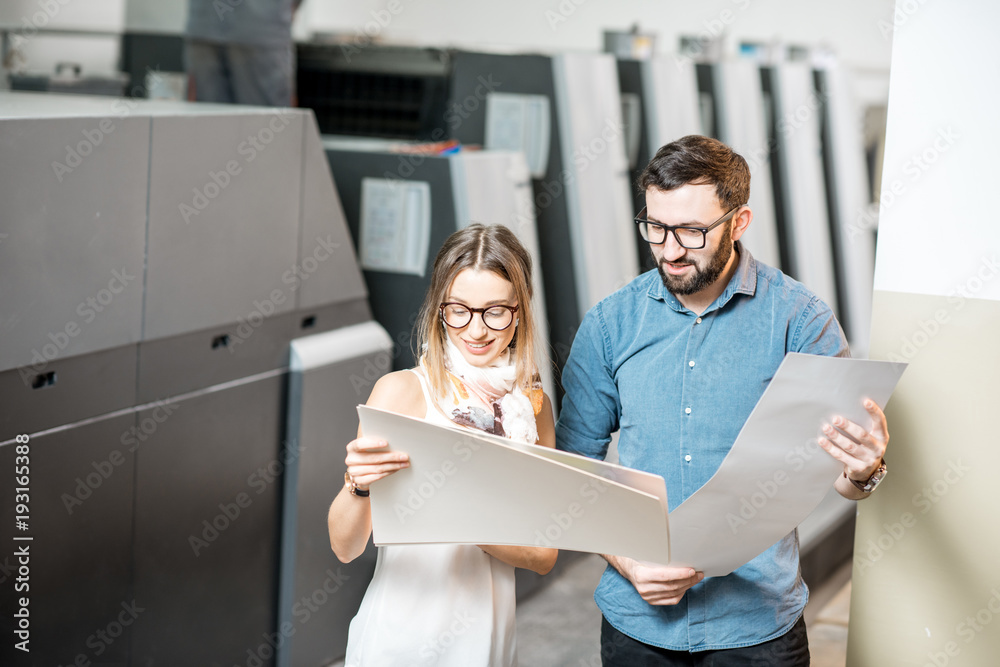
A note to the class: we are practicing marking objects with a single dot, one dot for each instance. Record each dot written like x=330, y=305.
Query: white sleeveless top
x=435, y=604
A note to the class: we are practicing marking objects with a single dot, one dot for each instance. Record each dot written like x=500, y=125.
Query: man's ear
x=741, y=221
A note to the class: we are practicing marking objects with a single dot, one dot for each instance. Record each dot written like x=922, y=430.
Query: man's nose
x=672, y=249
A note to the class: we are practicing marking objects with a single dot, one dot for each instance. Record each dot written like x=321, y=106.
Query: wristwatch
x=869, y=485
x=353, y=486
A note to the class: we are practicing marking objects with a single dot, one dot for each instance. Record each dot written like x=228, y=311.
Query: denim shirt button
x=691, y=364
x=698, y=321
x=687, y=411
x=687, y=457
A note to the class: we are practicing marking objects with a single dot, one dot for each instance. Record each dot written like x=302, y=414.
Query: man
x=676, y=361
x=241, y=51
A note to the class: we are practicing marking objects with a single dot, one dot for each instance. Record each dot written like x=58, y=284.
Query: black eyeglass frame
x=640, y=220
x=482, y=314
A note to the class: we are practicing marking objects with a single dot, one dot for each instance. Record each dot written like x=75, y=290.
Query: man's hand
x=657, y=584
x=860, y=450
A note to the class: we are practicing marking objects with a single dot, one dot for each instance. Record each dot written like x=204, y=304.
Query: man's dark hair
x=699, y=160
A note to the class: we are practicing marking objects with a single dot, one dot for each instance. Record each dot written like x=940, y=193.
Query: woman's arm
x=350, y=519
x=539, y=559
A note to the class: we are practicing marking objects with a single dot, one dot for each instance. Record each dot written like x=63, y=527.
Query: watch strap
x=353, y=487
x=873, y=480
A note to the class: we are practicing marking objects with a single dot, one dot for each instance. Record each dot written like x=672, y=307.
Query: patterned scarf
x=487, y=398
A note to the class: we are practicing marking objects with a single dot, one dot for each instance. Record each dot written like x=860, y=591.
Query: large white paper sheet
x=776, y=473
x=466, y=487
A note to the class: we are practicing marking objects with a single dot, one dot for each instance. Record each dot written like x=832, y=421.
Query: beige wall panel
x=927, y=550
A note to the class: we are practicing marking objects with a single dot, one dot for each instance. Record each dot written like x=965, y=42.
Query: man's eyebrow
x=688, y=223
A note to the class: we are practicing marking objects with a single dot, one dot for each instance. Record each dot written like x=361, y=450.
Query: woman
x=451, y=604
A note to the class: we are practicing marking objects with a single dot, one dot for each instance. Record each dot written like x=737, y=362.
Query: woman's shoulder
x=400, y=392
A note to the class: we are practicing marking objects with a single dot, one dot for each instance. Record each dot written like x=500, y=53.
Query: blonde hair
x=491, y=248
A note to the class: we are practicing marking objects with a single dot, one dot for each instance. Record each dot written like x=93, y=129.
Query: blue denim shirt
x=679, y=388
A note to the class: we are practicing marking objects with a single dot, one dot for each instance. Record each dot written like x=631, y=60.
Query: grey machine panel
x=207, y=511
x=330, y=374
x=797, y=170
x=211, y=257
x=585, y=180
x=327, y=263
x=529, y=75
x=667, y=92
x=225, y=292
x=396, y=297
x=71, y=257
x=187, y=362
x=267, y=260
x=62, y=391
x=671, y=100
x=80, y=520
x=740, y=123
x=588, y=108
x=848, y=197
x=494, y=187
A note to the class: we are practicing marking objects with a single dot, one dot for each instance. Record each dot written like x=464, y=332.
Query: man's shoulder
x=617, y=310
x=632, y=293
x=776, y=284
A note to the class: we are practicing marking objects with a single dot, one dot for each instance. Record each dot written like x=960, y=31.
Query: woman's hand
x=369, y=460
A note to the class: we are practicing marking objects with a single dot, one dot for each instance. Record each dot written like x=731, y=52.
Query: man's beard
x=701, y=277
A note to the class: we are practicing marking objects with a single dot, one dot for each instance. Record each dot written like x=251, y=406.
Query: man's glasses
x=692, y=238
x=458, y=315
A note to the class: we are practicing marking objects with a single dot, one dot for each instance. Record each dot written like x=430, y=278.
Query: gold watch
x=869, y=484
x=353, y=486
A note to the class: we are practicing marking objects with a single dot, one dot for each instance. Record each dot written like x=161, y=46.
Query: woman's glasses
x=458, y=315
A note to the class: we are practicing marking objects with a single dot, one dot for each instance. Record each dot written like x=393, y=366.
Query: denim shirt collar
x=744, y=281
